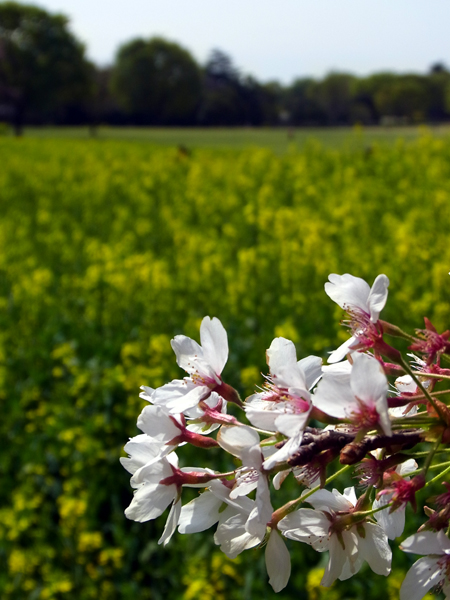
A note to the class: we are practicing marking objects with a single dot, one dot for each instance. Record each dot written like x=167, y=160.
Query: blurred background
x=334, y=64
x=160, y=162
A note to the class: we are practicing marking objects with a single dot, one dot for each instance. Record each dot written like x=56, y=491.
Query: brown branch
x=316, y=441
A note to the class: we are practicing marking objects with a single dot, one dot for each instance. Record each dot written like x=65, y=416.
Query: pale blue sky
x=274, y=39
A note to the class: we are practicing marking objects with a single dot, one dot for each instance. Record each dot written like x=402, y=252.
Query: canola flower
x=109, y=250
x=362, y=427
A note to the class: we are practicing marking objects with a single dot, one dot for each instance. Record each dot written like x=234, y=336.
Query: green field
x=279, y=139
x=109, y=248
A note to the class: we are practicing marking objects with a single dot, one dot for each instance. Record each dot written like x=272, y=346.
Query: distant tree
x=272, y=98
x=334, y=95
x=156, y=82
x=363, y=109
x=104, y=107
x=438, y=90
x=302, y=103
x=223, y=95
x=42, y=65
x=404, y=96
x=438, y=67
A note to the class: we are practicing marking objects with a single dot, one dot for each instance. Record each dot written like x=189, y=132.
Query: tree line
x=45, y=78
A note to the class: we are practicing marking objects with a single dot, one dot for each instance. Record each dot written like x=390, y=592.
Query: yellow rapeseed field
x=107, y=250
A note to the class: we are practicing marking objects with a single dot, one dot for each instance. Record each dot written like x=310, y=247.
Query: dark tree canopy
x=157, y=82
x=46, y=79
x=42, y=65
x=230, y=99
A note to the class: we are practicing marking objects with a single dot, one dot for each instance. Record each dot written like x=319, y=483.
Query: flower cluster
x=312, y=422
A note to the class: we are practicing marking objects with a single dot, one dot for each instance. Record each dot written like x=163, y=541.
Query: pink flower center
x=444, y=564
x=366, y=416
x=203, y=380
x=362, y=328
x=443, y=500
x=431, y=343
x=295, y=404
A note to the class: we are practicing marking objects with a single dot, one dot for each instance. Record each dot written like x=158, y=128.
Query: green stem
x=438, y=393
x=419, y=454
x=447, y=470
x=431, y=375
x=421, y=386
x=289, y=507
x=368, y=513
x=411, y=422
x=431, y=455
x=431, y=468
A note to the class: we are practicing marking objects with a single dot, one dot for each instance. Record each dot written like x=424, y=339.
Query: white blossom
x=348, y=549
x=363, y=305
x=432, y=569
x=243, y=442
x=284, y=405
x=393, y=523
x=362, y=400
x=204, y=364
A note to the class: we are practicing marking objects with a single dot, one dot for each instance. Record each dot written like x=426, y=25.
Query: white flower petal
x=242, y=504
x=179, y=395
x=375, y=549
x=383, y=413
x=232, y=536
x=336, y=562
x=262, y=513
x=349, y=494
x=377, y=297
x=393, y=523
x=426, y=542
x=237, y=439
x=279, y=478
x=422, y=576
x=334, y=397
x=186, y=351
x=149, y=501
x=407, y=467
x=147, y=393
x=260, y=413
x=347, y=291
x=405, y=383
x=171, y=523
x=342, y=369
x=152, y=472
x=354, y=560
x=155, y=421
x=294, y=379
x=214, y=343
x=304, y=523
x=292, y=424
x=182, y=402
x=278, y=562
x=325, y=500
x=243, y=489
x=281, y=354
x=142, y=450
x=351, y=568
x=312, y=368
x=200, y=514
x=341, y=352
x=367, y=380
